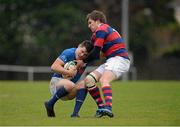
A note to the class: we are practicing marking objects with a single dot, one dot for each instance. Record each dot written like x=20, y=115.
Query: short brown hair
x=87, y=44
x=97, y=15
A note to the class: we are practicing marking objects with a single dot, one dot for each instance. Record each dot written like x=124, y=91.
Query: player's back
x=113, y=44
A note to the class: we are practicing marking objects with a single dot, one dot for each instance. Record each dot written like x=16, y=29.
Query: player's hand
x=72, y=71
x=80, y=64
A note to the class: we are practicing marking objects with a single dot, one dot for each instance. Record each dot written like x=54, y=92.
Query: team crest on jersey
x=63, y=57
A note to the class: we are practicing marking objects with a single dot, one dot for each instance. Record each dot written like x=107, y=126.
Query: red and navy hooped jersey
x=110, y=41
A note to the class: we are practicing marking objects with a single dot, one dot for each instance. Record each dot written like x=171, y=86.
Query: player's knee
x=80, y=85
x=103, y=81
x=69, y=86
x=71, y=95
x=90, y=80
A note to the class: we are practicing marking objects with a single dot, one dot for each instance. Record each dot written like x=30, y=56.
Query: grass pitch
x=146, y=103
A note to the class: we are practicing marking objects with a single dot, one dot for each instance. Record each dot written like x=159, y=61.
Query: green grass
x=134, y=103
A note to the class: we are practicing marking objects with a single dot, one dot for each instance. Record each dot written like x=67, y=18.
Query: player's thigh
x=91, y=79
x=80, y=84
x=107, y=77
x=99, y=71
x=95, y=75
x=68, y=85
x=57, y=83
x=53, y=85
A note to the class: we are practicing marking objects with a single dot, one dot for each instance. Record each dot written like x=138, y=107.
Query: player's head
x=97, y=15
x=94, y=19
x=83, y=49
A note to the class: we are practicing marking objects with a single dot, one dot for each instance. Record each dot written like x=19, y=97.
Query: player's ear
x=98, y=21
x=80, y=45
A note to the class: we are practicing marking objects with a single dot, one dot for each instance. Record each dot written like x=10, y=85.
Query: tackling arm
x=94, y=54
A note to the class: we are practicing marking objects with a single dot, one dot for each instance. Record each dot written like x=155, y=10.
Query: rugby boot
x=99, y=113
x=49, y=109
x=108, y=112
x=75, y=115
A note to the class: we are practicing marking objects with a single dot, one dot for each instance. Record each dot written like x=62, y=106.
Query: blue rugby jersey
x=66, y=56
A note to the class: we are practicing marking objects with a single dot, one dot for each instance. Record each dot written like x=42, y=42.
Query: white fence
x=31, y=70
x=27, y=69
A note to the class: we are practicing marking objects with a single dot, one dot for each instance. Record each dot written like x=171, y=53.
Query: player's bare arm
x=58, y=67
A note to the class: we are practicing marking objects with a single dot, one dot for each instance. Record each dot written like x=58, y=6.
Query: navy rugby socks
x=80, y=97
x=61, y=92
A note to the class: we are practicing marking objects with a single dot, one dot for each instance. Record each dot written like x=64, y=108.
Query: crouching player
x=62, y=88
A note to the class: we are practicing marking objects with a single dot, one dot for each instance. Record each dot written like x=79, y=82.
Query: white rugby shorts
x=52, y=84
x=118, y=65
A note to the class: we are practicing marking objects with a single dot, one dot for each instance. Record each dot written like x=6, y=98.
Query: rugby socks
x=61, y=92
x=107, y=92
x=80, y=97
x=95, y=93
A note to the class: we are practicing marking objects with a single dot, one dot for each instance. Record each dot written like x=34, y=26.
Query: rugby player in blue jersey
x=62, y=88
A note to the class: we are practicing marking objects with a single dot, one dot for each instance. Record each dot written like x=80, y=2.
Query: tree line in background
x=34, y=32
